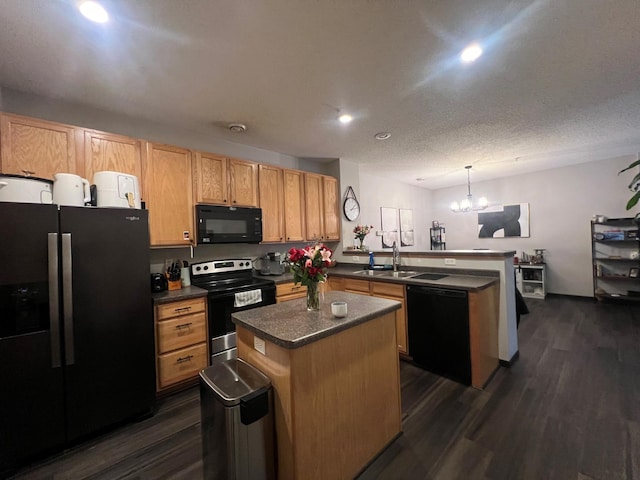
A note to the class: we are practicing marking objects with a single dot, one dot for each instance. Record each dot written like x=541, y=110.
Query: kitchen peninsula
x=331, y=377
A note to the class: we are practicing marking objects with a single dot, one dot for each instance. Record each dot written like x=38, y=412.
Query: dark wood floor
x=569, y=408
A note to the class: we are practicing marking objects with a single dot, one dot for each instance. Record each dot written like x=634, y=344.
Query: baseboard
x=508, y=363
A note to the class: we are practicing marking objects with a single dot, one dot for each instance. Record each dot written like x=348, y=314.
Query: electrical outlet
x=449, y=261
x=259, y=345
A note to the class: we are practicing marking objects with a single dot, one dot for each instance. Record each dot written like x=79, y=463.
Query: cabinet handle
x=235, y=201
x=183, y=325
x=184, y=359
x=182, y=309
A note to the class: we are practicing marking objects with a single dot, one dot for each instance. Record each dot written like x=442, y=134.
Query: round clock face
x=351, y=208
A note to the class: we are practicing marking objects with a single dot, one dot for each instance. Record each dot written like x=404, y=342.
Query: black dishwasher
x=438, y=324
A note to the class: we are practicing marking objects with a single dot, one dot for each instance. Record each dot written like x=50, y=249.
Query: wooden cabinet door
x=37, y=147
x=117, y=153
x=167, y=177
x=395, y=291
x=243, y=183
x=331, y=208
x=271, y=203
x=210, y=179
x=314, y=212
x=294, y=227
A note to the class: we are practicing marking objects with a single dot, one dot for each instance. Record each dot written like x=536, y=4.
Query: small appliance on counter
x=25, y=189
x=116, y=189
x=71, y=190
x=158, y=282
x=269, y=264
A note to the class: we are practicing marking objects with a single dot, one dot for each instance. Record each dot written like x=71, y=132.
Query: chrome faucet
x=396, y=257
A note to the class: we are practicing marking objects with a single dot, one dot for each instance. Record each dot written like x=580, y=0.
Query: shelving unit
x=438, y=239
x=614, y=251
x=531, y=279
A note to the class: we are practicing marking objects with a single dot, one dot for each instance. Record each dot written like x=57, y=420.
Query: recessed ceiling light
x=94, y=11
x=345, y=118
x=471, y=53
x=237, y=127
x=382, y=135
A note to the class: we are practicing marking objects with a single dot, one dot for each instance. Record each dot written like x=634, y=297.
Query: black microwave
x=218, y=224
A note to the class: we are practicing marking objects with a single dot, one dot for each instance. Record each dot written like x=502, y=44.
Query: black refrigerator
x=76, y=325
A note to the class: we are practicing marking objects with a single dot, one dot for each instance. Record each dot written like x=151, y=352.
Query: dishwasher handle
x=442, y=292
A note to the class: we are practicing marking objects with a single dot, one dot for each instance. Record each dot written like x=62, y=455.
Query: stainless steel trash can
x=237, y=422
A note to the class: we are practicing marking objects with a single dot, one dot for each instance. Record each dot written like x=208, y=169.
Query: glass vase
x=313, y=297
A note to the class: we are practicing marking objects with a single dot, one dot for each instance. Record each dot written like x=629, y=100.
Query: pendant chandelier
x=467, y=204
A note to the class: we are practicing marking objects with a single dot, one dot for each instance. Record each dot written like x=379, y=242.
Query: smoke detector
x=237, y=127
x=382, y=135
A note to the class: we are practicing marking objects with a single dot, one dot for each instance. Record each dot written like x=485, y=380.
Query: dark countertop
x=290, y=325
x=175, y=295
x=456, y=278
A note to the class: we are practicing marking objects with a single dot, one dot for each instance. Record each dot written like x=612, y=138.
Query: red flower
x=309, y=265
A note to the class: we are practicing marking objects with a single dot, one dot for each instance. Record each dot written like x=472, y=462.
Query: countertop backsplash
x=220, y=251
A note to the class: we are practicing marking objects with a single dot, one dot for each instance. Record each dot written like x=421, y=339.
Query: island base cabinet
x=336, y=400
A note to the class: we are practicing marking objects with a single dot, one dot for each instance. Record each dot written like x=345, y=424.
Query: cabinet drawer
x=179, y=308
x=388, y=289
x=181, y=332
x=181, y=365
x=356, y=286
x=286, y=289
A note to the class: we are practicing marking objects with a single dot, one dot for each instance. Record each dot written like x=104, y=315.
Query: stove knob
x=198, y=269
x=206, y=267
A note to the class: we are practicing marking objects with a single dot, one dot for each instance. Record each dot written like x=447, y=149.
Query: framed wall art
x=389, y=217
x=504, y=221
x=406, y=227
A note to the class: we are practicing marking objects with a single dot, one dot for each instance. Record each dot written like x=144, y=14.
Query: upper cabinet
x=210, y=178
x=37, y=147
x=223, y=181
x=272, y=203
x=294, y=201
x=321, y=207
x=314, y=206
x=331, y=208
x=243, y=183
x=168, y=194
x=117, y=153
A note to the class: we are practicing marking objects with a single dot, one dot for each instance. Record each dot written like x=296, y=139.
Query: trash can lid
x=234, y=379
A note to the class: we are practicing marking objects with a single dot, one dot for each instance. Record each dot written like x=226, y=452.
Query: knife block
x=174, y=284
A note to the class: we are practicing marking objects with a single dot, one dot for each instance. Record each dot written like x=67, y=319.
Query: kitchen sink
x=370, y=273
x=400, y=274
x=429, y=276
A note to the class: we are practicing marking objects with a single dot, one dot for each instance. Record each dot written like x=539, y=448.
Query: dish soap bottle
x=372, y=262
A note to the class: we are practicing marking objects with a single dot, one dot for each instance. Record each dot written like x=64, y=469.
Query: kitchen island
x=336, y=381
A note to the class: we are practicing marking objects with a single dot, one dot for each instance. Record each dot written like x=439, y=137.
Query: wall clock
x=351, y=207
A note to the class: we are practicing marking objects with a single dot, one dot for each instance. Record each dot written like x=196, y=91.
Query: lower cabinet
x=290, y=291
x=395, y=291
x=389, y=290
x=181, y=341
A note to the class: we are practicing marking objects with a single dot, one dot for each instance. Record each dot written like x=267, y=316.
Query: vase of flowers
x=361, y=231
x=309, y=268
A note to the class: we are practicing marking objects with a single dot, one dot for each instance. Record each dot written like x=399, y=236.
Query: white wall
x=561, y=202
x=377, y=192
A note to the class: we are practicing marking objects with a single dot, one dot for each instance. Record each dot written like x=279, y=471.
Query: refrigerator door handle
x=54, y=304
x=67, y=298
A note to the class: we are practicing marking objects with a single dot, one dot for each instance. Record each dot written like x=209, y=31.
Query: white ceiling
x=558, y=84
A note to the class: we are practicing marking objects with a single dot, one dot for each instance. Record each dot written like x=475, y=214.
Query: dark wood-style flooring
x=569, y=408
